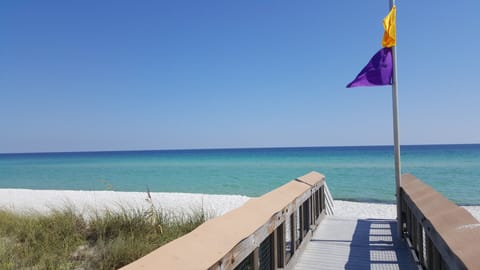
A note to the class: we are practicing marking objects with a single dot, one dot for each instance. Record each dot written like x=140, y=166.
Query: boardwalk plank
x=344, y=243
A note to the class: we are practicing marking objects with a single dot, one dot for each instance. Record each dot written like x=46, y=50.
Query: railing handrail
x=441, y=232
x=226, y=241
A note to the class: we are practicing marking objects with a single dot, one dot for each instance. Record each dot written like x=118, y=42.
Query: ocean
x=364, y=173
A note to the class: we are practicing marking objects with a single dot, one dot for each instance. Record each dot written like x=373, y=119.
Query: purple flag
x=377, y=72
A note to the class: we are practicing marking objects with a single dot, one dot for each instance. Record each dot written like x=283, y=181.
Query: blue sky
x=124, y=75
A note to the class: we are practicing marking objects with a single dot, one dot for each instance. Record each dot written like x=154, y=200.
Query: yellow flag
x=389, y=37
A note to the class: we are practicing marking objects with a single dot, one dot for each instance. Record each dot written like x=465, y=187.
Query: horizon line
x=230, y=148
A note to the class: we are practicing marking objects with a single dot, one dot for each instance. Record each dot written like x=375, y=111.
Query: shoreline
x=27, y=200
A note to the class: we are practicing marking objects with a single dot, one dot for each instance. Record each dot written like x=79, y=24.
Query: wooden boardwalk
x=258, y=235
x=343, y=243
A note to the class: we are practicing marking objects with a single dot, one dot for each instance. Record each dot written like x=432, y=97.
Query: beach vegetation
x=65, y=239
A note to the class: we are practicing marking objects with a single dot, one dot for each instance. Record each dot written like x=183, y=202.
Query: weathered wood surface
x=453, y=234
x=343, y=243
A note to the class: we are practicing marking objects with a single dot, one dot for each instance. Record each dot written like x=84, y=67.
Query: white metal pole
x=396, y=135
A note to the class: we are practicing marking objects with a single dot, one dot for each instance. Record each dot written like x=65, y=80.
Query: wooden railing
x=442, y=234
x=265, y=233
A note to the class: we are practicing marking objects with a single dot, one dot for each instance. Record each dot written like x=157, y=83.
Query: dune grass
x=64, y=239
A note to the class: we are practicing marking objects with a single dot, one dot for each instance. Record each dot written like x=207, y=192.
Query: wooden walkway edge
x=345, y=243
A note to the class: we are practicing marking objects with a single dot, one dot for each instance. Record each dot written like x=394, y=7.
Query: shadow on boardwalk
x=346, y=243
x=375, y=245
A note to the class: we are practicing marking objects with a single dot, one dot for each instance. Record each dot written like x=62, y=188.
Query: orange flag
x=390, y=35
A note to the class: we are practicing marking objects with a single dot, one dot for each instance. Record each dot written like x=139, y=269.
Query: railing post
x=256, y=260
x=307, y=217
x=418, y=236
x=422, y=243
x=414, y=231
x=312, y=208
x=280, y=246
x=429, y=263
x=403, y=209
x=275, y=256
x=300, y=218
x=293, y=229
x=322, y=198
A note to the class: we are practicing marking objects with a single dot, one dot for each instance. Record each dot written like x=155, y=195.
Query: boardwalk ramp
x=347, y=243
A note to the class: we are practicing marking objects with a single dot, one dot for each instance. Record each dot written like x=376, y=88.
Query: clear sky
x=124, y=75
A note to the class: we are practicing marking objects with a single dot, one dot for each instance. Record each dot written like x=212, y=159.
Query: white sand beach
x=379, y=210
x=214, y=205
x=85, y=201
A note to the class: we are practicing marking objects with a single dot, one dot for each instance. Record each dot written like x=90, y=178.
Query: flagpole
x=395, y=135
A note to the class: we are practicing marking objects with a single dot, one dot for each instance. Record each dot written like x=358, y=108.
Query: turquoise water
x=353, y=173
